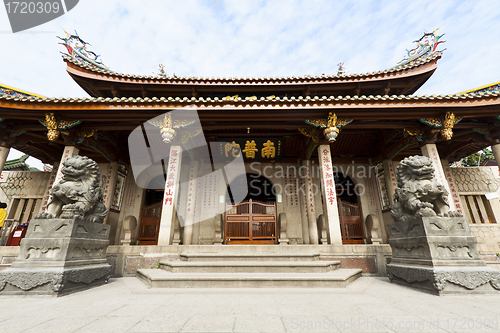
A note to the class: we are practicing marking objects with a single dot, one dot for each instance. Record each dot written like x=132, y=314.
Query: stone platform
x=58, y=256
x=194, y=270
x=439, y=255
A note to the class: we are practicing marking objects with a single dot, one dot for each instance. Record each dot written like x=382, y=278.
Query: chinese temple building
x=320, y=154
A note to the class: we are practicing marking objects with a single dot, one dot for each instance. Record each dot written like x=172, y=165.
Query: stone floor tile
x=251, y=299
x=215, y=310
x=169, y=310
x=135, y=309
x=264, y=309
x=110, y=325
x=159, y=324
x=297, y=308
x=382, y=309
x=268, y=324
x=39, y=324
x=198, y=323
x=62, y=325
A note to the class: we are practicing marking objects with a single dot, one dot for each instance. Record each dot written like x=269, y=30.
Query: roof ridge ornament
x=161, y=72
x=426, y=47
x=340, y=69
x=80, y=52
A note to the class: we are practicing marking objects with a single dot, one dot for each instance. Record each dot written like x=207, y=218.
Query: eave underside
x=374, y=134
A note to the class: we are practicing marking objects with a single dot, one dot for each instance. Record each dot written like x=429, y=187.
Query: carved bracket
x=445, y=124
x=56, y=126
x=331, y=125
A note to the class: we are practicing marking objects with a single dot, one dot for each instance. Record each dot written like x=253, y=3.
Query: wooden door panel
x=249, y=222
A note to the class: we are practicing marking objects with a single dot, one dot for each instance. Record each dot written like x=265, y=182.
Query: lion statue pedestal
x=65, y=252
x=432, y=247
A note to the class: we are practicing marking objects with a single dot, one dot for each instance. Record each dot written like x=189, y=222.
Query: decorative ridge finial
x=80, y=52
x=426, y=47
x=340, y=69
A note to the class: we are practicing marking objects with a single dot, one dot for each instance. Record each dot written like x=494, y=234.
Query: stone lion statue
x=78, y=194
x=418, y=193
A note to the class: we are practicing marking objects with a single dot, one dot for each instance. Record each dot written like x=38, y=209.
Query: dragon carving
x=418, y=193
x=78, y=194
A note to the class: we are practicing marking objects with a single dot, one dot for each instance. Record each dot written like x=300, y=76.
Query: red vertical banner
x=329, y=194
x=165, y=235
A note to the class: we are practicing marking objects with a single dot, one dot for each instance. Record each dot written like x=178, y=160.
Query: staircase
x=248, y=270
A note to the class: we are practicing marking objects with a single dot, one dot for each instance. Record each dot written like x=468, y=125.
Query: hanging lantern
x=167, y=134
x=331, y=133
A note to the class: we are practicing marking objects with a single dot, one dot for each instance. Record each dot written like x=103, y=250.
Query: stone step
x=250, y=256
x=249, y=266
x=159, y=278
x=4, y=266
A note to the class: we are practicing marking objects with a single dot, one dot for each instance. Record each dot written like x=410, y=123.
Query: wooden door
x=250, y=222
x=150, y=224
x=350, y=223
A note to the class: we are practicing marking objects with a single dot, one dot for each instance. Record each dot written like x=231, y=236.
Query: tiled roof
x=250, y=100
x=16, y=163
x=277, y=80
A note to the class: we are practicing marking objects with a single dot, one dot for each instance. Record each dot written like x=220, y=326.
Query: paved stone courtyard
x=370, y=304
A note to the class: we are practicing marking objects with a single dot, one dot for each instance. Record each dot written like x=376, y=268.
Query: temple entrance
x=351, y=224
x=149, y=226
x=253, y=221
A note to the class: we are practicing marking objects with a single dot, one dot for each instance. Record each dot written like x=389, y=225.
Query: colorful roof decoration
x=494, y=87
x=6, y=90
x=77, y=49
x=426, y=47
x=162, y=71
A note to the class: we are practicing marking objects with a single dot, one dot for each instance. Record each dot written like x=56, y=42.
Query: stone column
x=69, y=151
x=496, y=152
x=302, y=186
x=109, y=187
x=4, y=152
x=165, y=235
x=190, y=204
x=430, y=150
x=329, y=194
x=56, y=176
x=46, y=197
x=390, y=179
x=456, y=203
x=311, y=209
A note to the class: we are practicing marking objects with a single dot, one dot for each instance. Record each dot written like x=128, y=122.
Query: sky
x=257, y=38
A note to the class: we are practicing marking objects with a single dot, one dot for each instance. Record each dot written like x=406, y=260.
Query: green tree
x=477, y=158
